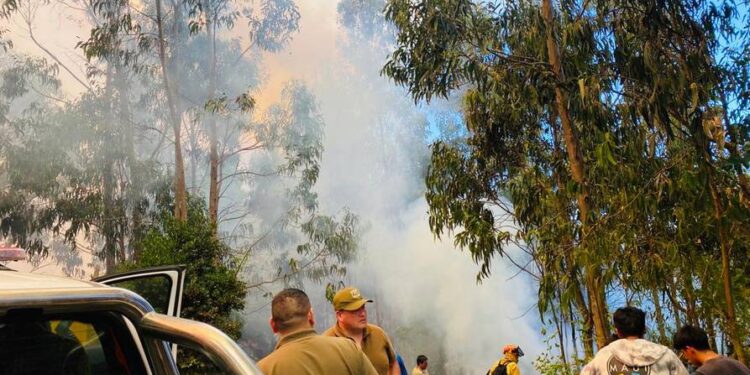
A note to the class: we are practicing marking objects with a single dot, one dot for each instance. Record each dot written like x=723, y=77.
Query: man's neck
x=356, y=334
x=294, y=330
x=705, y=356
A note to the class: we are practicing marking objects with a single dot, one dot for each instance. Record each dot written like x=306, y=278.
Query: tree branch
x=28, y=18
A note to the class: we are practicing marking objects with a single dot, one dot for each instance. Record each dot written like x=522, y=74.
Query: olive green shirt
x=375, y=344
x=307, y=353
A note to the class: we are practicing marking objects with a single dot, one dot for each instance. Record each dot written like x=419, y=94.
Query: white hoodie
x=635, y=357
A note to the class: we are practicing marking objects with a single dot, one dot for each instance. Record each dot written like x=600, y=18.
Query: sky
x=372, y=164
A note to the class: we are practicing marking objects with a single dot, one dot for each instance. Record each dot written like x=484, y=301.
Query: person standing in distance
x=631, y=354
x=351, y=322
x=300, y=350
x=508, y=365
x=692, y=342
x=421, y=368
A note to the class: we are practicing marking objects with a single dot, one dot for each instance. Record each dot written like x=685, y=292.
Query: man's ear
x=273, y=325
x=311, y=317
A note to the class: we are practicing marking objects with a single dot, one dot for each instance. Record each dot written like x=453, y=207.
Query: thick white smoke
x=374, y=160
x=375, y=154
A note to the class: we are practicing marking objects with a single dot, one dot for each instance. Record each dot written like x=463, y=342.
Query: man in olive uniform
x=351, y=322
x=300, y=350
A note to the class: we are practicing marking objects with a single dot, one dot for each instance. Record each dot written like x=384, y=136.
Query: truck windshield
x=93, y=344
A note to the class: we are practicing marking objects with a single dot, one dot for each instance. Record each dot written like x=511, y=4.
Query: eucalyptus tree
x=218, y=73
x=269, y=25
x=101, y=165
x=678, y=87
x=517, y=114
x=68, y=166
x=597, y=121
x=293, y=240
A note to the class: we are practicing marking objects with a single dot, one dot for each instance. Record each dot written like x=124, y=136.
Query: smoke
x=376, y=151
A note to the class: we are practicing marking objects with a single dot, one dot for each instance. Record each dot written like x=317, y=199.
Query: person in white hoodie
x=631, y=354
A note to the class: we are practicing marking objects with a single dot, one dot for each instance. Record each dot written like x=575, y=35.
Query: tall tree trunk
x=587, y=330
x=711, y=332
x=691, y=314
x=559, y=325
x=598, y=305
x=703, y=147
x=180, y=194
x=660, y=324
x=214, y=187
x=731, y=319
x=592, y=273
x=108, y=226
x=573, y=338
x=673, y=295
x=109, y=219
x=135, y=186
x=731, y=131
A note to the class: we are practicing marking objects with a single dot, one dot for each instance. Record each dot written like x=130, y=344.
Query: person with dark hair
x=421, y=368
x=300, y=350
x=692, y=343
x=508, y=365
x=631, y=354
x=351, y=322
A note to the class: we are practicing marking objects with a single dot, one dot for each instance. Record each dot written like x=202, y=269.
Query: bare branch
x=250, y=173
x=28, y=18
x=257, y=145
x=48, y=96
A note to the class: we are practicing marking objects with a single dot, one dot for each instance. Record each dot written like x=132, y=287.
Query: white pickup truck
x=54, y=325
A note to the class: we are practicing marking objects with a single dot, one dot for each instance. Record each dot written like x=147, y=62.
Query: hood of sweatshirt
x=637, y=352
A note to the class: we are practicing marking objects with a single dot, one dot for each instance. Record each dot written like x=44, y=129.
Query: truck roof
x=14, y=280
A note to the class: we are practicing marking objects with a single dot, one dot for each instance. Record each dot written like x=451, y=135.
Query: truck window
x=92, y=344
x=155, y=289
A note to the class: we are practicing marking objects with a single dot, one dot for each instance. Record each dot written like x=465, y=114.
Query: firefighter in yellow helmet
x=508, y=365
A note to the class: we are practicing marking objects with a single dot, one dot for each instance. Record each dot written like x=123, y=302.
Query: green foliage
x=323, y=243
x=363, y=18
x=213, y=290
x=549, y=365
x=8, y=7
x=83, y=166
x=648, y=103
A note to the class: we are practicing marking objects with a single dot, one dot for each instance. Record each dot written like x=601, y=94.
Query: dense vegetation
x=613, y=135
x=110, y=174
x=606, y=139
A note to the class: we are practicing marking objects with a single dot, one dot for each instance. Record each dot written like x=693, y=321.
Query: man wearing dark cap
x=300, y=350
x=351, y=322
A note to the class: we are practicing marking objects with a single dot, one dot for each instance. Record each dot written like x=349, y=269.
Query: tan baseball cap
x=348, y=299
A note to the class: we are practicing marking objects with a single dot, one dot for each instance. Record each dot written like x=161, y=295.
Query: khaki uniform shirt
x=307, y=353
x=375, y=345
x=419, y=371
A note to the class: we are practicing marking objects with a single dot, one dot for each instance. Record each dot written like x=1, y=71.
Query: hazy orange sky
x=59, y=27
